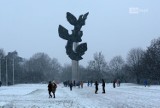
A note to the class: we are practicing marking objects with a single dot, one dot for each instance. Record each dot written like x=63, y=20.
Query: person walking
x=78, y=84
x=74, y=83
x=145, y=83
x=119, y=83
x=70, y=85
x=91, y=83
x=103, y=86
x=114, y=83
x=88, y=83
x=0, y=83
x=54, y=86
x=81, y=84
x=96, y=87
x=50, y=86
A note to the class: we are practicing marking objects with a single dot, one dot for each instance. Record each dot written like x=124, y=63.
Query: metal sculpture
x=79, y=50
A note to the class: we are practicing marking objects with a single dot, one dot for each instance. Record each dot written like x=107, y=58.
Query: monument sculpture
x=74, y=50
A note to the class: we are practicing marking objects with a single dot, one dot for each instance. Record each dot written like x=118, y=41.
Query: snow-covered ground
x=36, y=96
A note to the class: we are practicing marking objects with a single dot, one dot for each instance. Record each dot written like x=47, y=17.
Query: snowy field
x=36, y=96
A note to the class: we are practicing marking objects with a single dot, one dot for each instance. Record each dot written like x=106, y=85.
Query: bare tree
x=98, y=66
x=2, y=53
x=56, y=69
x=42, y=68
x=66, y=72
x=2, y=65
x=134, y=60
x=116, y=65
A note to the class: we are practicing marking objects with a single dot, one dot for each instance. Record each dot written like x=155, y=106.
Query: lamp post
x=13, y=71
x=0, y=70
x=6, y=74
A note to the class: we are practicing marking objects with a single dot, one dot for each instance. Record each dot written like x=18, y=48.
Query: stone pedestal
x=75, y=65
x=75, y=72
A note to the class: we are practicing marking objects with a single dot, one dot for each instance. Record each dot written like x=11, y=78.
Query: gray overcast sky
x=113, y=26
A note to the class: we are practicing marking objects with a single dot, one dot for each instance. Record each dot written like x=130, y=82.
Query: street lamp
x=0, y=70
x=6, y=74
x=13, y=71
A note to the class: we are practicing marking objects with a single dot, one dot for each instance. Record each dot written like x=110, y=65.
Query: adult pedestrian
x=96, y=87
x=70, y=85
x=91, y=83
x=88, y=83
x=103, y=86
x=50, y=86
x=81, y=84
x=145, y=83
x=114, y=83
x=0, y=83
x=118, y=82
x=54, y=86
x=74, y=83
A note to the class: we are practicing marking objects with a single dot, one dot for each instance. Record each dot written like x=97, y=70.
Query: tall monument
x=74, y=49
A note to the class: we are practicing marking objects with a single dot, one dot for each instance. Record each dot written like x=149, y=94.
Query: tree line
x=138, y=66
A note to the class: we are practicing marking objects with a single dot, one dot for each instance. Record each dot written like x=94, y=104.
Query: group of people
x=73, y=84
x=118, y=82
x=103, y=86
x=52, y=89
x=89, y=83
x=80, y=84
x=52, y=86
x=147, y=82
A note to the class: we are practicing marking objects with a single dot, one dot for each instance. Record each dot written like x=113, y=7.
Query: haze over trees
x=139, y=65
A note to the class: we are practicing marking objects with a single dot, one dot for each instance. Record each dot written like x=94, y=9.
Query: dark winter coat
x=96, y=85
x=50, y=86
x=103, y=83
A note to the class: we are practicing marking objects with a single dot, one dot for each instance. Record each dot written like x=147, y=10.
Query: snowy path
x=36, y=96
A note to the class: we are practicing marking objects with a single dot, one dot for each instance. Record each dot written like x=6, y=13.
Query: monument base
x=75, y=72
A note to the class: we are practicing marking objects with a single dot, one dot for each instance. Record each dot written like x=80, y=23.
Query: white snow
x=36, y=96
